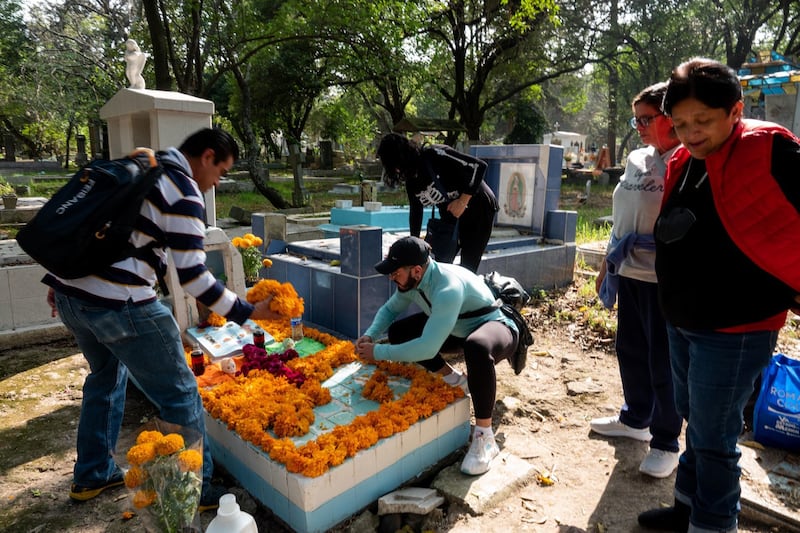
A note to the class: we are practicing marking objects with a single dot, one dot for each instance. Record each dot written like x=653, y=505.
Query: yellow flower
x=237, y=242
x=169, y=444
x=134, y=477
x=141, y=453
x=267, y=262
x=190, y=461
x=143, y=498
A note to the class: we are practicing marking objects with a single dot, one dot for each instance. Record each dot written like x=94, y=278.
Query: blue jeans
x=713, y=375
x=145, y=341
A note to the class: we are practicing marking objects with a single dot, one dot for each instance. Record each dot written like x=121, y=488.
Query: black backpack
x=507, y=289
x=510, y=299
x=86, y=225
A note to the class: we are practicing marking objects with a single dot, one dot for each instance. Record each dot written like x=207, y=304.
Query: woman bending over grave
x=438, y=176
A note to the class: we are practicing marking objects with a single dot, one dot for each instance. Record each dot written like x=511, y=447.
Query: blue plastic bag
x=776, y=419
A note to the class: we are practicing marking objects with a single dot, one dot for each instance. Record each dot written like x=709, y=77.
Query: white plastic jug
x=231, y=519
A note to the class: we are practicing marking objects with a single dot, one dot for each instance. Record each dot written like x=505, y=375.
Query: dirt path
x=542, y=417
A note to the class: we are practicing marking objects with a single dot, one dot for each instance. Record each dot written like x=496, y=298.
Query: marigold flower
x=127, y=515
x=190, y=461
x=267, y=262
x=134, y=477
x=143, y=498
x=169, y=444
x=141, y=453
x=237, y=242
x=148, y=436
x=216, y=320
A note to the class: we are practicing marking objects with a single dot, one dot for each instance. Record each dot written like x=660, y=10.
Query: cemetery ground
x=542, y=416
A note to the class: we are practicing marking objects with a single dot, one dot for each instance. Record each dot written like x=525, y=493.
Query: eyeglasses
x=643, y=121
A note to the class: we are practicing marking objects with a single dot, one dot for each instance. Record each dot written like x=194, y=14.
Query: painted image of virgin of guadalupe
x=515, y=200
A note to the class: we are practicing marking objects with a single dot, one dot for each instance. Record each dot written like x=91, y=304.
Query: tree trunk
x=258, y=173
x=299, y=195
x=70, y=126
x=158, y=40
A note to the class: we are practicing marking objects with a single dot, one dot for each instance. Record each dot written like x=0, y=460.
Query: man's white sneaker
x=659, y=463
x=611, y=427
x=458, y=380
x=462, y=382
x=479, y=457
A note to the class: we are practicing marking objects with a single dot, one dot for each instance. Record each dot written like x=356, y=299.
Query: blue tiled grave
x=317, y=504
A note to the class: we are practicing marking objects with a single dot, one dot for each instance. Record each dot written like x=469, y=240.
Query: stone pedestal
x=158, y=120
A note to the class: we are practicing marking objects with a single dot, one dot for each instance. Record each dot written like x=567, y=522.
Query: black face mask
x=673, y=225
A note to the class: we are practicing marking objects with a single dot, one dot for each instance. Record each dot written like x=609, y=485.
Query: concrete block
x=481, y=493
x=360, y=249
x=415, y=500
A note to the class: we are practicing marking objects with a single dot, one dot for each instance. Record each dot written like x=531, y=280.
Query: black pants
x=475, y=227
x=644, y=364
x=483, y=348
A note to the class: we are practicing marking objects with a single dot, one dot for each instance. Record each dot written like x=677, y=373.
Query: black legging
x=492, y=342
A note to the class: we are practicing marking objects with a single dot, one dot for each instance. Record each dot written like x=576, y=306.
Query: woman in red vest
x=728, y=268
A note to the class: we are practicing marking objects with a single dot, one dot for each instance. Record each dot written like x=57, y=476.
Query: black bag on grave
x=443, y=238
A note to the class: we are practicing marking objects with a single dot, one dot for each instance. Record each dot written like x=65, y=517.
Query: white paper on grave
x=515, y=194
x=227, y=340
x=342, y=374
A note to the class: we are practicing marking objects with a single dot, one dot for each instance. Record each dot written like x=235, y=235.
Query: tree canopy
x=348, y=70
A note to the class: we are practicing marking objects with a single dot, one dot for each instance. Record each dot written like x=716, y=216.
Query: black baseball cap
x=407, y=251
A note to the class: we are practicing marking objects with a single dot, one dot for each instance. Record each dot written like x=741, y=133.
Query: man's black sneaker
x=674, y=518
x=82, y=494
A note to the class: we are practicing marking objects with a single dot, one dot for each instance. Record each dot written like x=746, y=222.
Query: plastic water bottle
x=231, y=519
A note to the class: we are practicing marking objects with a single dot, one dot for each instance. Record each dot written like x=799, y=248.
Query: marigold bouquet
x=285, y=300
x=165, y=475
x=251, y=257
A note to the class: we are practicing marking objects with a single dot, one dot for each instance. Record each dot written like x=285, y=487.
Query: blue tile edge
x=350, y=501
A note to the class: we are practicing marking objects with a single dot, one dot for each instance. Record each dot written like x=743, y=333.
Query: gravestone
x=326, y=155
x=81, y=158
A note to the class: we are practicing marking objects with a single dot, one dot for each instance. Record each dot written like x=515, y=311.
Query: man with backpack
x=458, y=313
x=123, y=328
